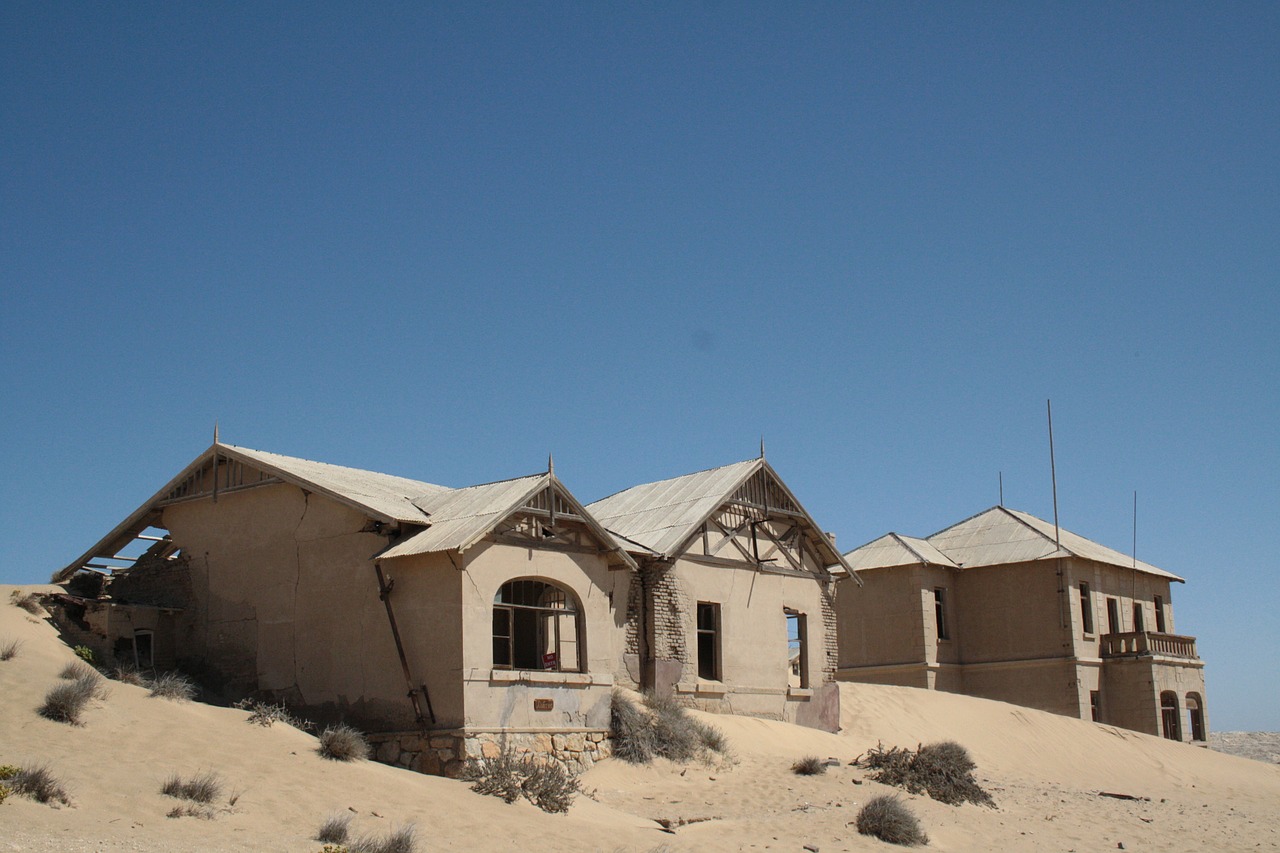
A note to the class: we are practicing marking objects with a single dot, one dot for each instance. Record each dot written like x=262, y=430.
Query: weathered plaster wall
x=881, y=623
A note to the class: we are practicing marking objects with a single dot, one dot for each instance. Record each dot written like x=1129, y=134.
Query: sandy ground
x=1045, y=772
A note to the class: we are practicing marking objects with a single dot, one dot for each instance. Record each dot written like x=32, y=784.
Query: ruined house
x=1004, y=606
x=448, y=622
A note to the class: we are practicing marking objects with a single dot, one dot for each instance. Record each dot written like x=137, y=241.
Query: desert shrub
x=942, y=770
x=810, y=765
x=191, y=810
x=129, y=675
x=173, y=685
x=201, y=788
x=5, y=791
x=39, y=784
x=889, y=820
x=8, y=771
x=402, y=839
x=66, y=702
x=335, y=828
x=9, y=649
x=28, y=601
x=662, y=728
x=76, y=669
x=343, y=743
x=84, y=653
x=546, y=784
x=266, y=714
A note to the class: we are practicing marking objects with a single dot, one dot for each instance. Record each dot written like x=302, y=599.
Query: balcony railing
x=1138, y=643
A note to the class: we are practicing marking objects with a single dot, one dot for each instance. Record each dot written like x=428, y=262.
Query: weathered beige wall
x=754, y=653
x=504, y=698
x=1010, y=612
x=286, y=603
x=1049, y=685
x=880, y=623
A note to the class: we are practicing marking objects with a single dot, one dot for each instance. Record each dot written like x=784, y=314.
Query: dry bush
x=201, y=788
x=661, y=729
x=810, y=765
x=39, y=784
x=173, y=685
x=266, y=714
x=889, y=820
x=943, y=770
x=546, y=784
x=335, y=829
x=76, y=669
x=129, y=675
x=343, y=743
x=84, y=653
x=9, y=649
x=28, y=601
x=191, y=810
x=402, y=839
x=65, y=702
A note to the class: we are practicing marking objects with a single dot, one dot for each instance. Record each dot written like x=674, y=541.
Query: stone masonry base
x=445, y=753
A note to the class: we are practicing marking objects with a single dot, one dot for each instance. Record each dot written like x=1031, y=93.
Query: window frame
x=940, y=613
x=546, y=622
x=709, y=663
x=1086, y=608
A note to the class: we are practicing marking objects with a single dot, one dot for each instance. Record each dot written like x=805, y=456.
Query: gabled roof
x=460, y=518
x=660, y=517
x=893, y=550
x=382, y=496
x=993, y=537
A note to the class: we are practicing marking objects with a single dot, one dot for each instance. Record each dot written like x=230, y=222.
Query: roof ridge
x=670, y=479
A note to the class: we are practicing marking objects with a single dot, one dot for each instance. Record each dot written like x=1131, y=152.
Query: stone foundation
x=446, y=753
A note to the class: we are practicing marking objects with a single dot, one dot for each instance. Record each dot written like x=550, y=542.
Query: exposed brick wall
x=635, y=614
x=671, y=614
x=830, y=639
x=153, y=580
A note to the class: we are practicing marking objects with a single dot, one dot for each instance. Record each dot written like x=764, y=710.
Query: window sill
x=564, y=679
x=703, y=687
x=805, y=693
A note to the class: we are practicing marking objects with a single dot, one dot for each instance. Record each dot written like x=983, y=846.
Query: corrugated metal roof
x=1000, y=535
x=893, y=550
x=661, y=515
x=396, y=498
x=460, y=517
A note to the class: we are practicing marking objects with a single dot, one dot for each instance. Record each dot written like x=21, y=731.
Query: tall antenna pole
x=1053, y=472
x=1135, y=528
x=1001, y=475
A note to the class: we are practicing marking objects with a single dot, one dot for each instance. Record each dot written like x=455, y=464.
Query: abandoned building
x=1004, y=606
x=448, y=622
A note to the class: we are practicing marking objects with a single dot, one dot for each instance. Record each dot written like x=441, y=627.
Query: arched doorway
x=1169, y=723
x=1195, y=716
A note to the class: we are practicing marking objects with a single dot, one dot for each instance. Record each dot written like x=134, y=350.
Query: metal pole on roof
x=1053, y=473
x=1135, y=528
x=1001, y=475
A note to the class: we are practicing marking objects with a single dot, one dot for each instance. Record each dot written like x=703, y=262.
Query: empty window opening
x=940, y=612
x=708, y=641
x=1169, y=723
x=143, y=650
x=797, y=649
x=1160, y=614
x=1195, y=716
x=1113, y=616
x=1094, y=713
x=536, y=626
x=1086, y=609
x=1138, y=624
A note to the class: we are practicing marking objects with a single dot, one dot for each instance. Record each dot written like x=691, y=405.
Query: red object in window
x=550, y=660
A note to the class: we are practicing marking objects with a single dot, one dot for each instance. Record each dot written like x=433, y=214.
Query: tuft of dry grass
x=202, y=788
x=546, y=784
x=172, y=685
x=65, y=702
x=661, y=729
x=129, y=675
x=343, y=743
x=266, y=714
x=28, y=601
x=889, y=820
x=9, y=649
x=810, y=765
x=39, y=784
x=402, y=839
x=191, y=810
x=76, y=669
x=335, y=829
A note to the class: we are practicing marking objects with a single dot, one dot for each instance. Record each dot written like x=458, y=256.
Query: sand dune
x=1044, y=771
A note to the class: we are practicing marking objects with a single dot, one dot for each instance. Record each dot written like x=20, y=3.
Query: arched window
x=1196, y=716
x=1169, y=723
x=536, y=625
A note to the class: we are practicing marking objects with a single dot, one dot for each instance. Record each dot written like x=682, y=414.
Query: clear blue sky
x=442, y=242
